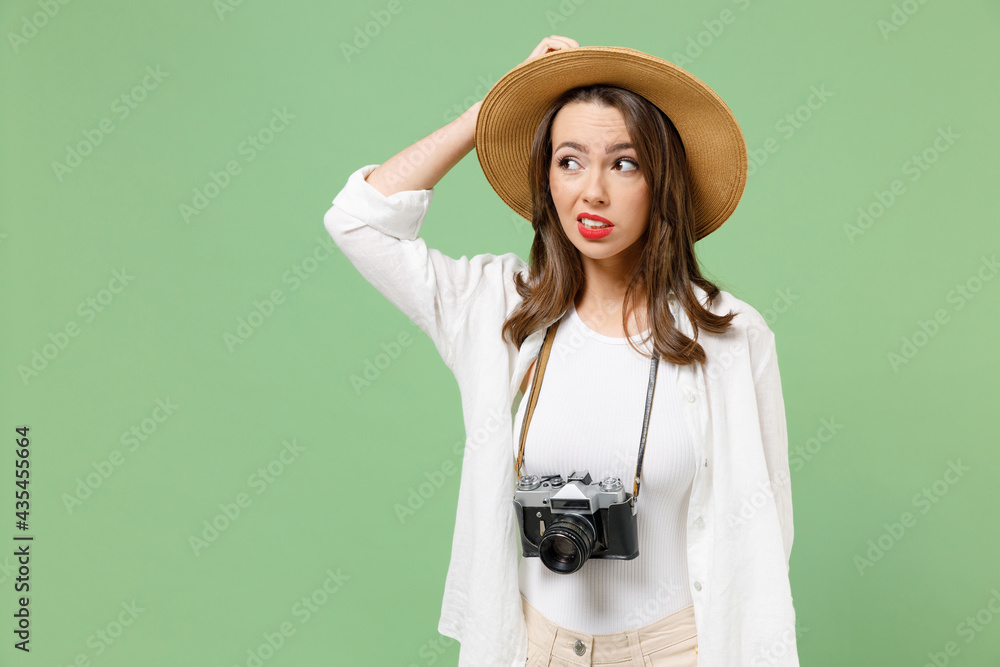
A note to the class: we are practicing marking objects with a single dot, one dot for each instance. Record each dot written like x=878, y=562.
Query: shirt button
x=699, y=522
x=579, y=647
x=690, y=397
x=697, y=585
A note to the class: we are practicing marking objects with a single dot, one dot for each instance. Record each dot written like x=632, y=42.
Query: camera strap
x=543, y=357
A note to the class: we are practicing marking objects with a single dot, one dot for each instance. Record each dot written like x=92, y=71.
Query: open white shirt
x=739, y=519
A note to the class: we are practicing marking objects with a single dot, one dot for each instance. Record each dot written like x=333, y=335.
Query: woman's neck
x=600, y=302
x=603, y=312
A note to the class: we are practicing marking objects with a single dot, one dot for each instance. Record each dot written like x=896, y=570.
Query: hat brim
x=514, y=106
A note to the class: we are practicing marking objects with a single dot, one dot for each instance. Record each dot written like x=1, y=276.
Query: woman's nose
x=594, y=191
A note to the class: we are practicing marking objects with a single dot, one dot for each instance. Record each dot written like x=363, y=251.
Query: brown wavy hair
x=667, y=262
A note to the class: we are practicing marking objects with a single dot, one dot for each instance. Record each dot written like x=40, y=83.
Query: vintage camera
x=565, y=522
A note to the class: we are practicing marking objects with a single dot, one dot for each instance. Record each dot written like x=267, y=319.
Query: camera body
x=567, y=521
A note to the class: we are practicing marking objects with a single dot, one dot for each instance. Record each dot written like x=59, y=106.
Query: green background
x=840, y=305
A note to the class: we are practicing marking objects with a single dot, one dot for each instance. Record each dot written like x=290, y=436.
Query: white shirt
x=589, y=417
x=739, y=519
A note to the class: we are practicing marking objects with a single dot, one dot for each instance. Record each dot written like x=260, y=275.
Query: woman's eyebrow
x=610, y=148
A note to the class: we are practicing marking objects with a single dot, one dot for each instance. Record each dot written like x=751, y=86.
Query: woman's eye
x=562, y=162
x=635, y=165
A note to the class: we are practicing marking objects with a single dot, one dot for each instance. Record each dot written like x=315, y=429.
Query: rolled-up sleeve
x=774, y=436
x=379, y=235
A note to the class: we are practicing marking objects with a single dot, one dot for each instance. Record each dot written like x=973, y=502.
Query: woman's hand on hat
x=552, y=43
x=548, y=44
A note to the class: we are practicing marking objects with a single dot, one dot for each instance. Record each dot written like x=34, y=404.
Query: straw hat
x=514, y=106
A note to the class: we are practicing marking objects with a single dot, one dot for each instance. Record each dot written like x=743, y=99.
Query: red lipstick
x=593, y=234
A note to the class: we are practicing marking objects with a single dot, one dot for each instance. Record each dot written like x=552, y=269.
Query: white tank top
x=589, y=417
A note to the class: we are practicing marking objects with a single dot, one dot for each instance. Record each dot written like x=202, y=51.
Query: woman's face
x=595, y=172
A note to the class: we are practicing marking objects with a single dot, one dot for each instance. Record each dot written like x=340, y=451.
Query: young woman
x=621, y=161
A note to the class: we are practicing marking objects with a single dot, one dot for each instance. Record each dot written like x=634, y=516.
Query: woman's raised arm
x=375, y=221
x=422, y=165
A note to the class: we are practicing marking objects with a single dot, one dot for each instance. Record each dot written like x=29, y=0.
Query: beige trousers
x=671, y=641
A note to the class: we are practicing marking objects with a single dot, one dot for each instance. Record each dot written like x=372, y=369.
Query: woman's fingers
x=552, y=43
x=568, y=40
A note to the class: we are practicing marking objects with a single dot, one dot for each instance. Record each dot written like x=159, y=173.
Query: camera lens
x=567, y=543
x=563, y=548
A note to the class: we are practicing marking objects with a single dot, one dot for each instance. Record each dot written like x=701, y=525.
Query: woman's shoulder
x=747, y=317
x=503, y=266
x=496, y=278
x=506, y=266
x=749, y=329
